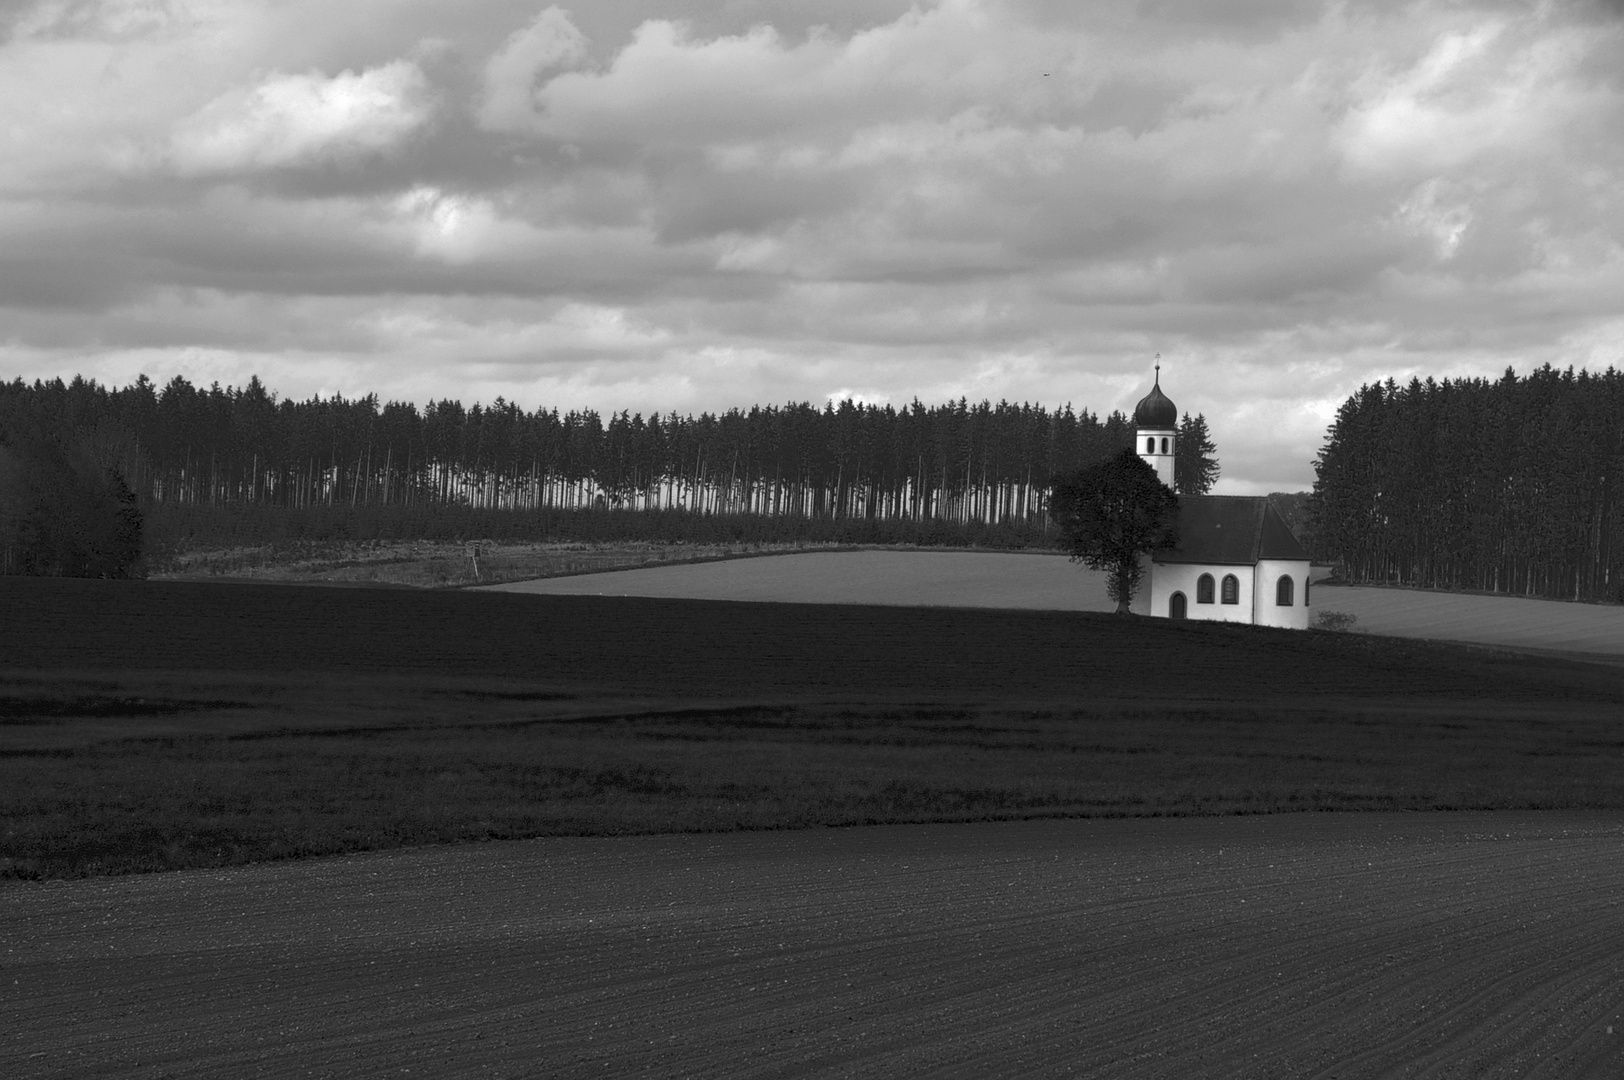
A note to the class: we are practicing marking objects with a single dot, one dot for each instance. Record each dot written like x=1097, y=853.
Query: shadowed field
x=686, y=648
x=149, y=725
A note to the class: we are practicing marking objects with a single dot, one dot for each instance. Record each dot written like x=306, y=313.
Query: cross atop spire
x=1158, y=369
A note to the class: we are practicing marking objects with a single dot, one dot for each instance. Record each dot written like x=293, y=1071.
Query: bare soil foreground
x=1461, y=945
x=1051, y=582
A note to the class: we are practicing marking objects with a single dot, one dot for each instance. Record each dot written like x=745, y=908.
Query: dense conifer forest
x=1510, y=485
x=245, y=462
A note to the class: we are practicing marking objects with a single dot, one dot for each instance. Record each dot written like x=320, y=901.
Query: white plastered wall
x=1158, y=459
x=1269, y=572
x=1168, y=578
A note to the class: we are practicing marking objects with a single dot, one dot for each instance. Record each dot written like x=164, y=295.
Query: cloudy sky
x=701, y=204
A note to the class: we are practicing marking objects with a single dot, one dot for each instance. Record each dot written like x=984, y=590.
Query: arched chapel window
x=1164, y=446
x=1150, y=446
x=1283, y=591
x=1308, y=583
x=1203, y=589
x=1232, y=589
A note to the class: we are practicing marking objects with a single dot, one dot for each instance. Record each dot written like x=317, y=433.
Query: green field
x=150, y=725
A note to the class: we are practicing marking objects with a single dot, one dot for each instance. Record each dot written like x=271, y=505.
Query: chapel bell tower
x=1155, y=421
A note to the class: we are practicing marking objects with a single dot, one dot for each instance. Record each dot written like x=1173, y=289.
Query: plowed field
x=1462, y=945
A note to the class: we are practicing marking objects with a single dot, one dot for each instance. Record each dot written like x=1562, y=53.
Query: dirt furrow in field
x=1330, y=945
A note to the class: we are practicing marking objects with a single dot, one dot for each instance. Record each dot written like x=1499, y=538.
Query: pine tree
x=62, y=512
x=1195, y=470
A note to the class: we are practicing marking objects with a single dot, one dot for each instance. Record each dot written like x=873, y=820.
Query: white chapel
x=1236, y=559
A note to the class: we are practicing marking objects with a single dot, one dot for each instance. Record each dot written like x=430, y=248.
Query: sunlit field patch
x=1049, y=582
x=1495, y=620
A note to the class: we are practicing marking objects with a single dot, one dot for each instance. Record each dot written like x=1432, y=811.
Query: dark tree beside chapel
x=1110, y=514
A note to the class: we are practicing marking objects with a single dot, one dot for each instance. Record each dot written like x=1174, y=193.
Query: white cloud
x=108, y=18
x=859, y=397
x=668, y=86
x=698, y=204
x=1435, y=210
x=511, y=74
x=1491, y=88
x=457, y=228
x=288, y=120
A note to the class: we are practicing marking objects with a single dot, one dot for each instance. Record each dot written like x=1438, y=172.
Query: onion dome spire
x=1154, y=409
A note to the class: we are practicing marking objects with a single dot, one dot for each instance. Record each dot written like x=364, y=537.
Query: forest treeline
x=1505, y=485
x=926, y=470
x=1508, y=485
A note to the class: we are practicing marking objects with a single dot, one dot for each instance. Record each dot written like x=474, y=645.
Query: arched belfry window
x=1203, y=589
x=1164, y=446
x=1283, y=592
x=1150, y=446
x=1232, y=589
